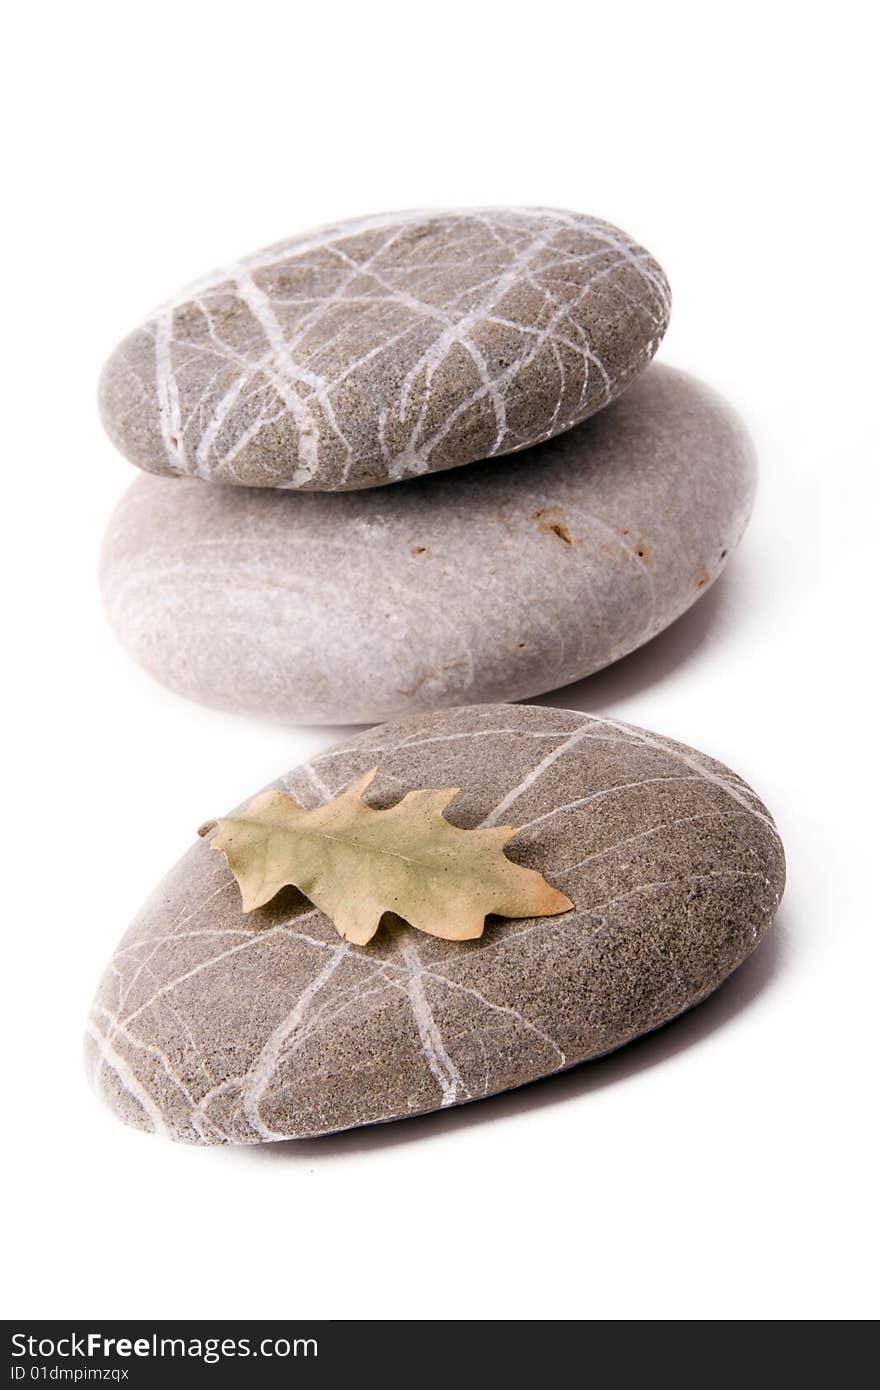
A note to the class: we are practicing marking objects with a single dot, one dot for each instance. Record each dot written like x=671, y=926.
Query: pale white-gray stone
x=387, y=347
x=495, y=582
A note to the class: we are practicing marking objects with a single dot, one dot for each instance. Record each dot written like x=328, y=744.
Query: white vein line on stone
x=484, y=1054
x=281, y=362
x=396, y=297
x=167, y=396
x=130, y=1083
x=199, y=402
x=194, y=911
x=491, y=389
x=434, y=355
x=282, y=251
x=169, y=1004
x=196, y=970
x=439, y=1062
x=174, y=935
x=699, y=768
x=229, y=1083
x=255, y=428
x=249, y=370
x=339, y=1003
x=497, y=1008
x=538, y=771
x=604, y=791
x=672, y=883
x=442, y=1068
x=114, y=970
x=219, y=416
x=511, y=372
x=624, y=248
x=560, y=367
x=181, y=936
x=142, y=965
x=441, y=738
x=319, y=238
x=260, y=306
x=317, y=782
x=418, y=456
x=644, y=834
x=261, y=1071
x=559, y=923
x=286, y=929
x=197, y=1114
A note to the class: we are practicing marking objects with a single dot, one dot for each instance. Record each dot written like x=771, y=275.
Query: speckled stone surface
x=213, y=1027
x=496, y=582
x=386, y=347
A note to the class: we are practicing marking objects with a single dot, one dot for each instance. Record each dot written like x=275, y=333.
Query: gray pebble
x=387, y=347
x=214, y=1027
x=496, y=582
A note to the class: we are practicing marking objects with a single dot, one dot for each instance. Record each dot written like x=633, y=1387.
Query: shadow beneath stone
x=757, y=974
x=667, y=652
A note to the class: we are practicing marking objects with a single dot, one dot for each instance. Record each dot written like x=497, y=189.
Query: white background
x=720, y=1169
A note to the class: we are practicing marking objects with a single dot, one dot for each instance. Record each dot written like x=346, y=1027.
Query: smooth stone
x=386, y=347
x=499, y=582
x=215, y=1027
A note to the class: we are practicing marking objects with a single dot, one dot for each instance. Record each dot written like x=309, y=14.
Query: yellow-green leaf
x=356, y=863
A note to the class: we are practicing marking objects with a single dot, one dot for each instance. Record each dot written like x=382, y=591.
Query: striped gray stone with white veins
x=214, y=1027
x=512, y=577
x=386, y=347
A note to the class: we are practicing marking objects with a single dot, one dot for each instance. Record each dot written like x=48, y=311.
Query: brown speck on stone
x=432, y=675
x=555, y=528
x=643, y=552
x=416, y=685
x=724, y=554
x=205, y=828
x=559, y=530
x=703, y=578
x=418, y=550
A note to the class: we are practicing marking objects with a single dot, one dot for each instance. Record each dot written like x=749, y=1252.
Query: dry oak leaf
x=356, y=863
